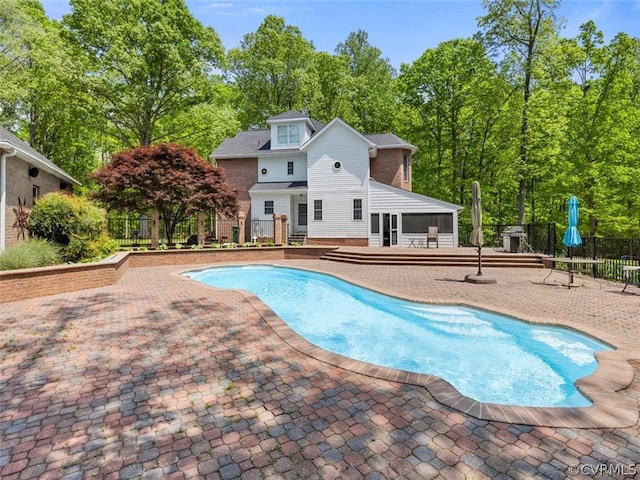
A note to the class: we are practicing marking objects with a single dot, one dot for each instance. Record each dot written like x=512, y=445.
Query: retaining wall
x=36, y=282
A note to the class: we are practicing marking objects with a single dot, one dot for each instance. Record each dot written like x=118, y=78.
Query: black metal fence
x=613, y=253
x=135, y=230
x=531, y=237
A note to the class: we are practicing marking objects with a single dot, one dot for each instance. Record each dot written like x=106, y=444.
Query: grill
x=512, y=238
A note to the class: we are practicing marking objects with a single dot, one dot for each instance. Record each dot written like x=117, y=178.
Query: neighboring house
x=334, y=184
x=24, y=176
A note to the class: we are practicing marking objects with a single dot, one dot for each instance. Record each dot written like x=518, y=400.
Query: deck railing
x=134, y=230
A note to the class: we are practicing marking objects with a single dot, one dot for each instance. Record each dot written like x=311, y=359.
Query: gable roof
x=33, y=157
x=330, y=125
x=415, y=196
x=292, y=115
x=254, y=143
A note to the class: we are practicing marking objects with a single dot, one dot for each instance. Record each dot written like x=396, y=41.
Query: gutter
x=7, y=150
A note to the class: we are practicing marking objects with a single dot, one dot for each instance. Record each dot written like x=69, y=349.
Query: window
x=357, y=209
x=283, y=134
x=288, y=134
x=317, y=209
x=302, y=214
x=406, y=165
x=35, y=193
x=289, y=168
x=268, y=207
x=420, y=222
x=375, y=223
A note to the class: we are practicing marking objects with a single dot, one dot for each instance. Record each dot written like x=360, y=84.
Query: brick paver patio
x=160, y=377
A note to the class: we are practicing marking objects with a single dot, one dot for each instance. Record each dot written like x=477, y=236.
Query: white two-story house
x=334, y=184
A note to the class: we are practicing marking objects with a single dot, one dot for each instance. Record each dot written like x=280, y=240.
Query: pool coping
x=609, y=409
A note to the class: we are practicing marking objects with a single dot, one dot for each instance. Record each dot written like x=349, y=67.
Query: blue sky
x=402, y=29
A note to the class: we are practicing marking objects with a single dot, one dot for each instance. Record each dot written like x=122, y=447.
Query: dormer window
x=288, y=134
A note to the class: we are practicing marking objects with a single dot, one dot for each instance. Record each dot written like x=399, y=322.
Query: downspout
x=7, y=150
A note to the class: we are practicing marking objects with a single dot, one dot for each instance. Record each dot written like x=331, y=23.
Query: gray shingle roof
x=252, y=143
x=270, y=186
x=388, y=140
x=290, y=115
x=296, y=115
x=35, y=157
x=248, y=143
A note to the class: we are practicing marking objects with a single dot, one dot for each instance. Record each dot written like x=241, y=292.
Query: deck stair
x=297, y=237
x=450, y=258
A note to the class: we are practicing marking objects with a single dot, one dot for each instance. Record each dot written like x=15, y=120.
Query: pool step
x=435, y=259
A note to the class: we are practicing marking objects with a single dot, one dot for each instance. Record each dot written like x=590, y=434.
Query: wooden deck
x=453, y=257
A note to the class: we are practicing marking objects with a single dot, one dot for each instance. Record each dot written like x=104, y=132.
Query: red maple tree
x=171, y=178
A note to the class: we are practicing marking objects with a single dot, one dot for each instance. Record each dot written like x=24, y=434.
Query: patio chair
x=432, y=236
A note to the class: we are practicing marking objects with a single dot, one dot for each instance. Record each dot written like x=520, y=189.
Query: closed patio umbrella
x=477, y=238
x=572, y=235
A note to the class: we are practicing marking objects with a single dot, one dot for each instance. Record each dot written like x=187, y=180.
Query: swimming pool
x=485, y=356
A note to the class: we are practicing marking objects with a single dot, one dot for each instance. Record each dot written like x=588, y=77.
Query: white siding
x=389, y=199
x=338, y=187
x=386, y=199
x=303, y=129
x=281, y=204
x=276, y=167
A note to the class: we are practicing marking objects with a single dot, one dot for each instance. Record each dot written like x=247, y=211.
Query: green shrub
x=52, y=218
x=76, y=249
x=85, y=250
x=56, y=217
x=100, y=248
x=30, y=254
x=72, y=222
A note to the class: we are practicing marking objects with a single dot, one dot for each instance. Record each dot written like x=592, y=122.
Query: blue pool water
x=485, y=356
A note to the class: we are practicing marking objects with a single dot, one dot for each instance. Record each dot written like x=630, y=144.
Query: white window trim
x=406, y=166
x=360, y=209
x=290, y=128
x=320, y=210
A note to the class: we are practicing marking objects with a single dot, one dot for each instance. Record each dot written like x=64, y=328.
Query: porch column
x=285, y=230
x=277, y=229
x=242, y=235
x=201, y=234
x=155, y=228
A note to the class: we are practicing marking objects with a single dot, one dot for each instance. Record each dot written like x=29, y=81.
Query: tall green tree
x=38, y=98
x=148, y=62
x=601, y=129
x=370, y=86
x=457, y=109
x=520, y=32
x=335, y=92
x=273, y=71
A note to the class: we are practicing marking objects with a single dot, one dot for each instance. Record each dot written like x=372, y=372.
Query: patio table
x=571, y=263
